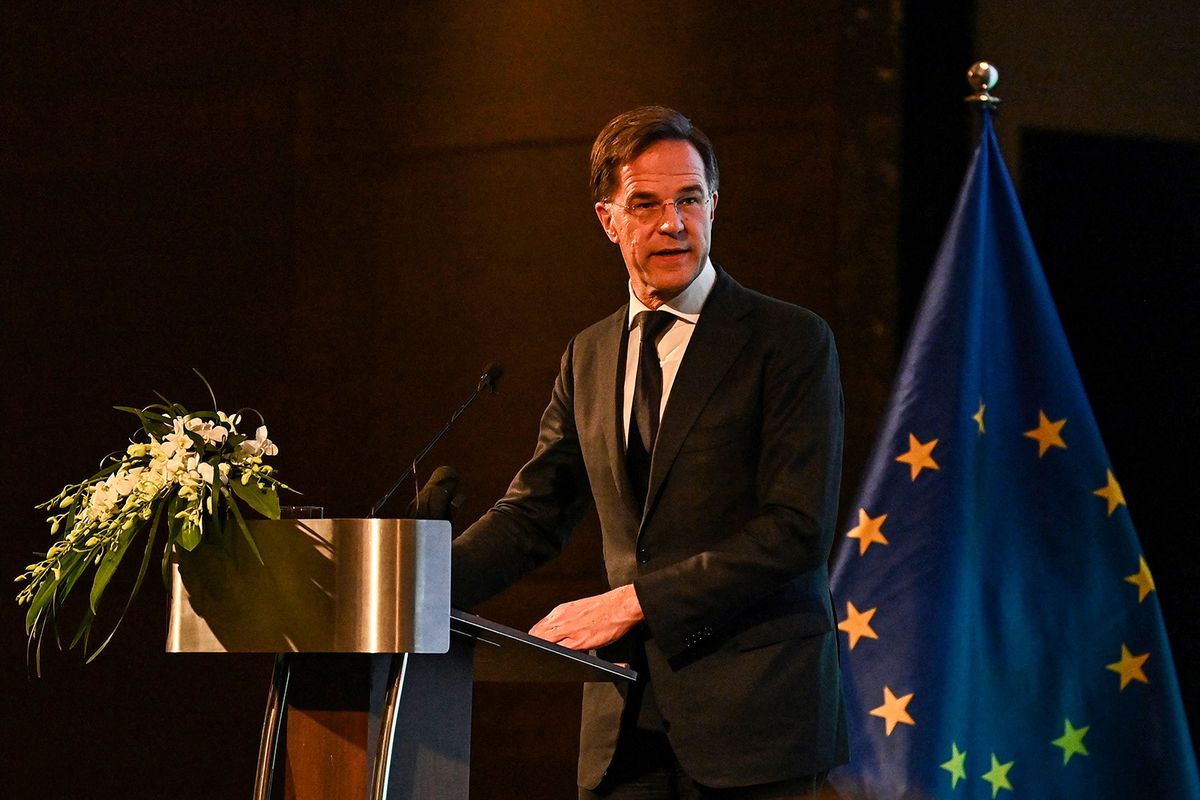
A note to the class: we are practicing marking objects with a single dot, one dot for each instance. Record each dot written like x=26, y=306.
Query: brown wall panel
x=444, y=76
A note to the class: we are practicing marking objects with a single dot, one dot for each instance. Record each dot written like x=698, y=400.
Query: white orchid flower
x=124, y=481
x=102, y=502
x=211, y=434
x=168, y=466
x=191, y=468
x=206, y=472
x=150, y=484
x=177, y=440
x=260, y=445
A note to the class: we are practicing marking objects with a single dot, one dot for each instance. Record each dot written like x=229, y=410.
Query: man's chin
x=668, y=284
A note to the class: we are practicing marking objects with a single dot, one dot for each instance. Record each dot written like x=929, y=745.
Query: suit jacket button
x=642, y=556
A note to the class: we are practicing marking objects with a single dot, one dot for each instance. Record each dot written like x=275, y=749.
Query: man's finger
x=545, y=629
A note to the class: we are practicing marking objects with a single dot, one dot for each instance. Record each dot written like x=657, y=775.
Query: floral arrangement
x=187, y=470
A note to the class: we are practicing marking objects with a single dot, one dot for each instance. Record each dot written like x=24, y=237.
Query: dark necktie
x=647, y=398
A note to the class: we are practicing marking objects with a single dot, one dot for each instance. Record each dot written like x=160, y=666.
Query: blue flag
x=1003, y=633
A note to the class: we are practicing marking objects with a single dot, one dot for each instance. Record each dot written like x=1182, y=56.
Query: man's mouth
x=673, y=252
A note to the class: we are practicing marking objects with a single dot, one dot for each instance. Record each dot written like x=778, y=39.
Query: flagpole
x=983, y=76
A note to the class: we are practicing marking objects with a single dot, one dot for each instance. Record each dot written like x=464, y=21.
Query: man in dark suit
x=704, y=421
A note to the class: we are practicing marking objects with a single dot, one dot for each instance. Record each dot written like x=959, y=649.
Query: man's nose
x=672, y=219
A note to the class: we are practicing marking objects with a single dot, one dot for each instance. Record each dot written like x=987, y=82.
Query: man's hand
x=591, y=621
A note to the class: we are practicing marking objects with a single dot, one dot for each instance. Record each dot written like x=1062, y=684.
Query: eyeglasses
x=688, y=206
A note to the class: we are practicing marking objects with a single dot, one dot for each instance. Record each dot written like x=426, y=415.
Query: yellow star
x=1130, y=667
x=978, y=416
x=1048, y=434
x=919, y=456
x=956, y=766
x=1071, y=741
x=1112, y=493
x=894, y=710
x=997, y=776
x=1142, y=579
x=857, y=624
x=867, y=531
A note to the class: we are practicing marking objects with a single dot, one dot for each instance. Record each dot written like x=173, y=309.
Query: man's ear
x=712, y=212
x=606, y=222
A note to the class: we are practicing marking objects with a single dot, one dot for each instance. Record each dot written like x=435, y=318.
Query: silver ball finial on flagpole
x=983, y=77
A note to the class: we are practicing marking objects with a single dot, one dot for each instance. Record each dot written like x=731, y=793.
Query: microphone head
x=439, y=497
x=442, y=476
x=491, y=376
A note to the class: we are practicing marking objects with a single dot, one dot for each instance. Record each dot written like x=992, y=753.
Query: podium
x=371, y=691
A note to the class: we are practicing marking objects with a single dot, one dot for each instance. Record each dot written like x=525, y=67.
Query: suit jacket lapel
x=611, y=391
x=719, y=336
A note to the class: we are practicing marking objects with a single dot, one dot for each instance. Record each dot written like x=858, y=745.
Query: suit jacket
x=727, y=555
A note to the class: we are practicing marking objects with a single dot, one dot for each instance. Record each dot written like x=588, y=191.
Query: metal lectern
x=371, y=692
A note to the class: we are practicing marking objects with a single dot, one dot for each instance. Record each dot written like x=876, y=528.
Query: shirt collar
x=687, y=304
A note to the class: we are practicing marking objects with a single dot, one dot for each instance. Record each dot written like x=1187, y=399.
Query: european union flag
x=1003, y=634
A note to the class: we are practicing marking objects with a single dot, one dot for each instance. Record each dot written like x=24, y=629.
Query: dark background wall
x=339, y=216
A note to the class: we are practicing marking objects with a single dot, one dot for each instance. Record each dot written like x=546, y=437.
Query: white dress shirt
x=686, y=309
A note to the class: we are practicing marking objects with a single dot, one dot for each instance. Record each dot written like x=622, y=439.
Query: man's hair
x=629, y=134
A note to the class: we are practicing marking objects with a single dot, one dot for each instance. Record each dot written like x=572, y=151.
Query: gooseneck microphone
x=488, y=380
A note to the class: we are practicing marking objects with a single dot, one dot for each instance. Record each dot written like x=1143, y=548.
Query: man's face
x=664, y=245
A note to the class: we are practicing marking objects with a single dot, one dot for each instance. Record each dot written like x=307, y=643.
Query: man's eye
x=688, y=202
x=644, y=205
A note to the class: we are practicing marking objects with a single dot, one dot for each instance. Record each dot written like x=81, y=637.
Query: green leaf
x=204, y=380
x=109, y=563
x=104, y=473
x=137, y=585
x=264, y=501
x=153, y=424
x=189, y=535
x=44, y=595
x=213, y=518
x=237, y=514
x=74, y=565
x=150, y=539
x=155, y=527
x=197, y=440
x=169, y=409
x=85, y=627
x=174, y=522
x=38, y=652
x=139, y=413
x=183, y=531
x=245, y=411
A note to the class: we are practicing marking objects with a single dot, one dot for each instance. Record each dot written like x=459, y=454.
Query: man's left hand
x=591, y=622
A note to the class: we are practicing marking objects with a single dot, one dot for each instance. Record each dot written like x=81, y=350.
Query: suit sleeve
x=532, y=522
x=788, y=536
